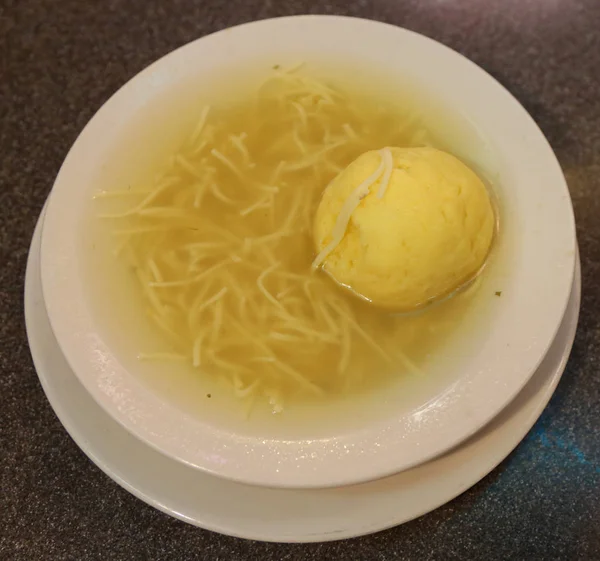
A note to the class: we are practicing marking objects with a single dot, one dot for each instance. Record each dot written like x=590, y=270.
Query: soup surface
x=216, y=246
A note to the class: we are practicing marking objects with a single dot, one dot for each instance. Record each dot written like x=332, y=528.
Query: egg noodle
x=221, y=244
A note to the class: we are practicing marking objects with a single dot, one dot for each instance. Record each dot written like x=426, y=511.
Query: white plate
x=281, y=514
x=538, y=256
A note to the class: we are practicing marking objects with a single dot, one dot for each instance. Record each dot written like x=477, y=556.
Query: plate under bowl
x=282, y=515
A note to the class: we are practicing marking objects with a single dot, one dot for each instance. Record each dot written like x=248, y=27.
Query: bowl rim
x=371, y=453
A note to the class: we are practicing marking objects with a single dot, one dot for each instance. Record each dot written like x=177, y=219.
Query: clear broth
x=378, y=357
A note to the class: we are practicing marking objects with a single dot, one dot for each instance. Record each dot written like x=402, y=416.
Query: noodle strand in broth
x=222, y=248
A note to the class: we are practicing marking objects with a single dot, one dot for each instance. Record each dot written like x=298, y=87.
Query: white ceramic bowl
x=536, y=275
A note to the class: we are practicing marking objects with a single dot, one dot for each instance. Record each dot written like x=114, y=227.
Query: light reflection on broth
x=221, y=249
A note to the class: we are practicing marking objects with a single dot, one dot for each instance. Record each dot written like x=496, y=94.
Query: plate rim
x=85, y=443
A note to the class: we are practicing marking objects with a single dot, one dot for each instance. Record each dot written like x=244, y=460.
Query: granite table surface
x=61, y=59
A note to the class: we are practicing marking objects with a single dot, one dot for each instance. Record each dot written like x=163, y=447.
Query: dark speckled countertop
x=60, y=60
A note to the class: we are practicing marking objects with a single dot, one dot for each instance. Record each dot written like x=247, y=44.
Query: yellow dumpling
x=404, y=226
